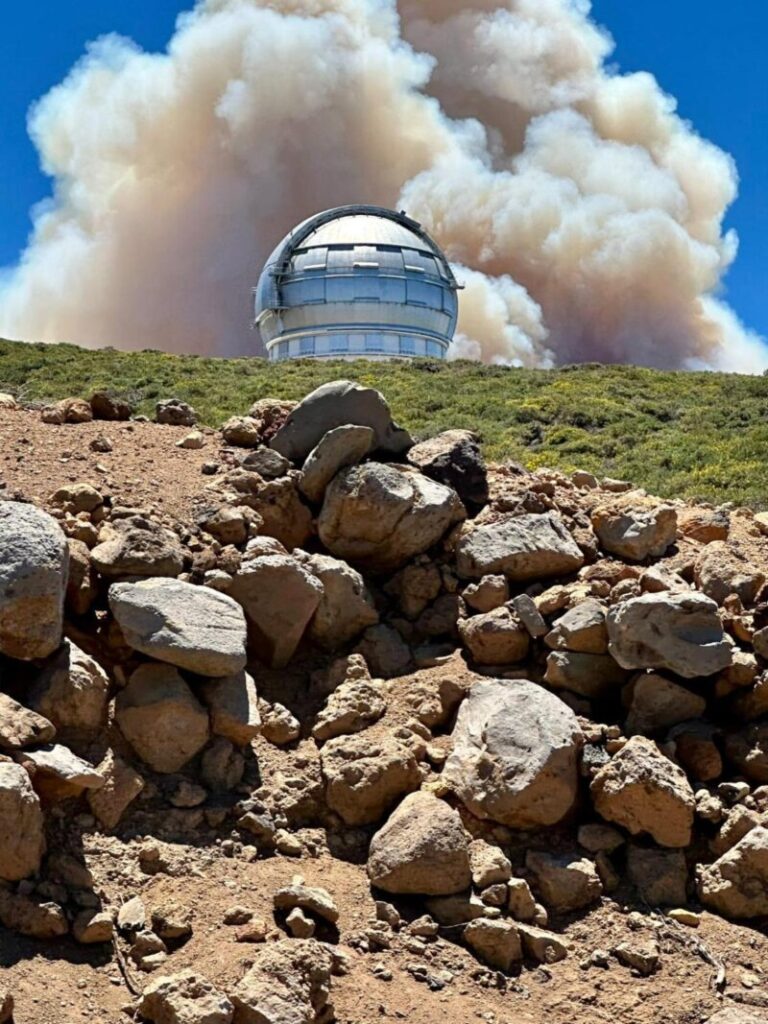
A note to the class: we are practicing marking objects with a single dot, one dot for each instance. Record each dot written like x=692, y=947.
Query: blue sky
x=709, y=55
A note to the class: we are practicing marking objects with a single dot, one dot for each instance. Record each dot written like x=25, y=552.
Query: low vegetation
x=692, y=435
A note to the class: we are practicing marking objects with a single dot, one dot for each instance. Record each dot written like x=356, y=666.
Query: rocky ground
x=302, y=722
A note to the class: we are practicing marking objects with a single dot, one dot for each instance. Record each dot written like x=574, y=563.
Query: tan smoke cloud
x=583, y=215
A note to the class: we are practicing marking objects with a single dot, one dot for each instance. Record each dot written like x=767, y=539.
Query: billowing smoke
x=583, y=215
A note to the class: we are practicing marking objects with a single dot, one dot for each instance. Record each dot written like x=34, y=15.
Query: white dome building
x=357, y=281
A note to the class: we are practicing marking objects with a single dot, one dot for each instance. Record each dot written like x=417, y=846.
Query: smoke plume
x=583, y=215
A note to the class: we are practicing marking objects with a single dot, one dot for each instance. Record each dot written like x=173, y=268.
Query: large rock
x=496, y=943
x=289, y=983
x=184, y=998
x=515, y=753
x=355, y=705
x=675, y=631
x=581, y=629
x=338, y=404
x=748, y=749
x=234, y=708
x=736, y=885
x=656, y=703
x=721, y=570
x=175, y=413
x=195, y=628
x=522, y=548
x=107, y=406
x=496, y=638
x=161, y=718
x=122, y=784
x=367, y=773
x=379, y=516
x=33, y=580
x=644, y=792
x=279, y=596
x=278, y=503
x=22, y=835
x=344, y=446
x=453, y=458
x=635, y=534
x=589, y=675
x=346, y=607
x=72, y=690
x=20, y=727
x=421, y=849
x=58, y=774
x=137, y=547
x=565, y=882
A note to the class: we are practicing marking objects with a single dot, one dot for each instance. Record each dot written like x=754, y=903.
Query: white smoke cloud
x=584, y=216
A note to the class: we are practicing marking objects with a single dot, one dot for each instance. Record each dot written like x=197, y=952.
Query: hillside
x=695, y=435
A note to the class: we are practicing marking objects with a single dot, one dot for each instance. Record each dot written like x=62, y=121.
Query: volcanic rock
x=344, y=446
x=453, y=458
x=522, y=548
x=22, y=836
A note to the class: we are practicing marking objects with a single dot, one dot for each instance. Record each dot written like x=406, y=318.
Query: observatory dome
x=357, y=281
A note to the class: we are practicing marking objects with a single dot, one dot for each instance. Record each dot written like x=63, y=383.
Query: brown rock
x=22, y=836
x=496, y=638
x=122, y=784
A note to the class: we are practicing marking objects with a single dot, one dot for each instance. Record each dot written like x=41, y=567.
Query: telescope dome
x=357, y=281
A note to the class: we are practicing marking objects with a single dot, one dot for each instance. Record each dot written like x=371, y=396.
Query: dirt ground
x=63, y=983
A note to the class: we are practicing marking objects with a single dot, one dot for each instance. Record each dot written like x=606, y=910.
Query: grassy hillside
x=695, y=435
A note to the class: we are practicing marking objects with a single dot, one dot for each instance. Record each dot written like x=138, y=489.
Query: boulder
x=522, y=548
x=344, y=446
x=106, y=406
x=267, y=463
x=660, y=876
x=184, y=998
x=289, y=983
x=279, y=596
x=346, y=607
x=736, y=885
x=137, y=547
x=565, y=882
x=20, y=727
x=33, y=580
x=453, y=458
x=496, y=638
x=422, y=849
x=354, y=706
x=675, y=631
x=379, y=516
x=58, y=774
x=76, y=498
x=68, y=410
x=195, y=628
x=635, y=534
x=721, y=570
x=22, y=835
x=496, y=943
x=338, y=404
x=582, y=629
x=277, y=504
x=747, y=748
x=72, y=690
x=367, y=773
x=161, y=718
x=175, y=413
x=515, y=754
x=593, y=676
x=122, y=784
x=242, y=432
x=644, y=792
x=487, y=594
x=656, y=703
x=385, y=651
x=234, y=708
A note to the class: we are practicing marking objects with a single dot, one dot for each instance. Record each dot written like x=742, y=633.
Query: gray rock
x=72, y=690
x=344, y=446
x=234, y=708
x=565, y=882
x=279, y=596
x=523, y=548
x=268, y=463
x=660, y=876
x=137, y=547
x=22, y=834
x=422, y=849
x=289, y=983
x=582, y=629
x=675, y=631
x=636, y=533
x=346, y=607
x=515, y=752
x=33, y=580
x=60, y=774
x=161, y=718
x=736, y=885
x=378, y=516
x=453, y=458
x=338, y=404
x=175, y=413
x=385, y=651
x=195, y=628
x=656, y=703
x=589, y=675
x=496, y=638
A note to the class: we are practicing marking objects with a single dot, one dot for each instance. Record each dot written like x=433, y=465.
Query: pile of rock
x=522, y=692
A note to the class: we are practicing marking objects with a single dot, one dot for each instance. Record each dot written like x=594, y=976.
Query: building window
x=307, y=347
x=338, y=343
x=434, y=348
x=408, y=346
